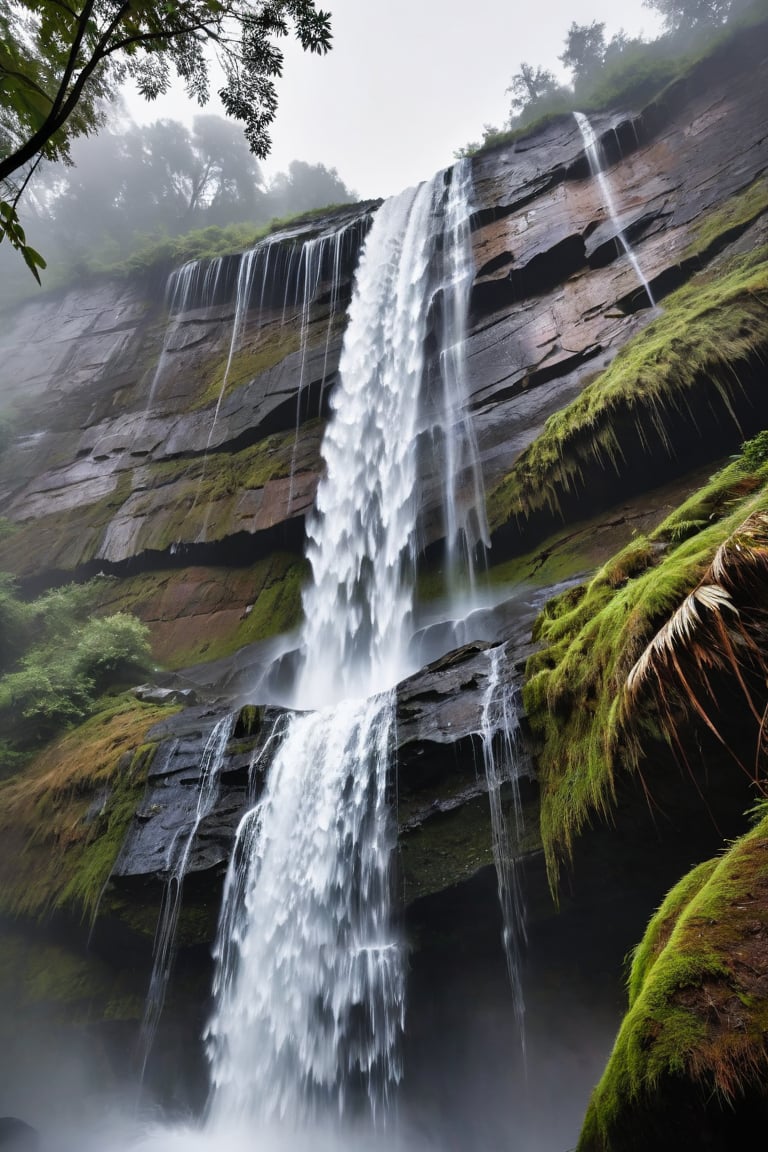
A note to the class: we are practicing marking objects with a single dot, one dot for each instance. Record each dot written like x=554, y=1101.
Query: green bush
x=56, y=660
x=754, y=452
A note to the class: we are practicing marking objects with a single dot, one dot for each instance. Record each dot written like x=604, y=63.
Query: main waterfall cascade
x=309, y=985
x=310, y=981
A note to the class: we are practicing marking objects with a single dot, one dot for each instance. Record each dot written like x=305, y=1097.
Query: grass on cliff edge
x=707, y=328
x=642, y=72
x=63, y=819
x=575, y=692
x=698, y=1010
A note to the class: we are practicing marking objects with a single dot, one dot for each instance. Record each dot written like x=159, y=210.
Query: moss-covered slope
x=64, y=817
x=697, y=357
x=586, y=723
x=691, y=1058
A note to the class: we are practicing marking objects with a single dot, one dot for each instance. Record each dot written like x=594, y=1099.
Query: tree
x=691, y=14
x=584, y=50
x=305, y=186
x=60, y=58
x=530, y=86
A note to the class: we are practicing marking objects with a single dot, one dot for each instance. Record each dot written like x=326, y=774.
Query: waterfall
x=309, y=987
x=197, y=280
x=313, y=268
x=502, y=755
x=466, y=526
x=593, y=151
x=176, y=868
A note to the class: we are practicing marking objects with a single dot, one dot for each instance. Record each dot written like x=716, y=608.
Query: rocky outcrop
x=137, y=473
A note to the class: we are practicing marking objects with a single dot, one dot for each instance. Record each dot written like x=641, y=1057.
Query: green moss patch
x=36, y=973
x=584, y=725
x=187, y=500
x=270, y=345
x=446, y=849
x=197, y=614
x=699, y=1004
x=206, y=498
x=63, y=819
x=706, y=330
x=734, y=216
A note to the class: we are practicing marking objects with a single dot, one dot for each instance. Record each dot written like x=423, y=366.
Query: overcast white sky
x=409, y=81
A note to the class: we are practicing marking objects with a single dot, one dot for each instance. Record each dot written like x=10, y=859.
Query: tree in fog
x=161, y=179
x=587, y=51
x=305, y=186
x=531, y=86
x=149, y=182
x=584, y=49
x=59, y=60
x=689, y=15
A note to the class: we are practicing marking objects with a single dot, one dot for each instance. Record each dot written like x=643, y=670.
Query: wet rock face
x=167, y=812
x=554, y=297
x=437, y=778
x=116, y=481
x=17, y=1136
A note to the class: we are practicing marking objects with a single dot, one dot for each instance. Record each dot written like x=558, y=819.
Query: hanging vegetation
x=628, y=656
x=692, y=354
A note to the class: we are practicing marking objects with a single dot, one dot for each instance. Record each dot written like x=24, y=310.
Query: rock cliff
x=169, y=437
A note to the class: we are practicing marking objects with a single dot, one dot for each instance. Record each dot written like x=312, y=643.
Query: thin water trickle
x=592, y=147
x=466, y=526
x=502, y=761
x=176, y=868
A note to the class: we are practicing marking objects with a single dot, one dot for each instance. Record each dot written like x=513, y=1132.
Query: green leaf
x=29, y=255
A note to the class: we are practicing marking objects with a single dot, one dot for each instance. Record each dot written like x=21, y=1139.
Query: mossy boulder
x=690, y=1062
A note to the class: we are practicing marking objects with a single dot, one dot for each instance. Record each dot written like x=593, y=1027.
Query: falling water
x=502, y=757
x=198, y=281
x=462, y=481
x=313, y=271
x=250, y=262
x=593, y=151
x=310, y=981
x=176, y=867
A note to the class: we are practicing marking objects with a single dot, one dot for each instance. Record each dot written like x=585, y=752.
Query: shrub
x=57, y=659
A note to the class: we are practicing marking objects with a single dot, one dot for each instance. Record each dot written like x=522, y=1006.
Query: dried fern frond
x=722, y=625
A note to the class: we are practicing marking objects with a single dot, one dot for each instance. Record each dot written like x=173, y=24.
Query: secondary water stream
x=593, y=150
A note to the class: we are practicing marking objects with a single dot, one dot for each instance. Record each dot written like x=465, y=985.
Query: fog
x=467, y=1086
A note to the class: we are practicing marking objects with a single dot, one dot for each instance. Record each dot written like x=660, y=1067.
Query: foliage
x=698, y=1015
x=622, y=70
x=531, y=86
x=706, y=329
x=587, y=52
x=754, y=452
x=158, y=194
x=10, y=227
x=692, y=14
x=63, y=819
x=58, y=63
x=56, y=661
x=586, y=721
